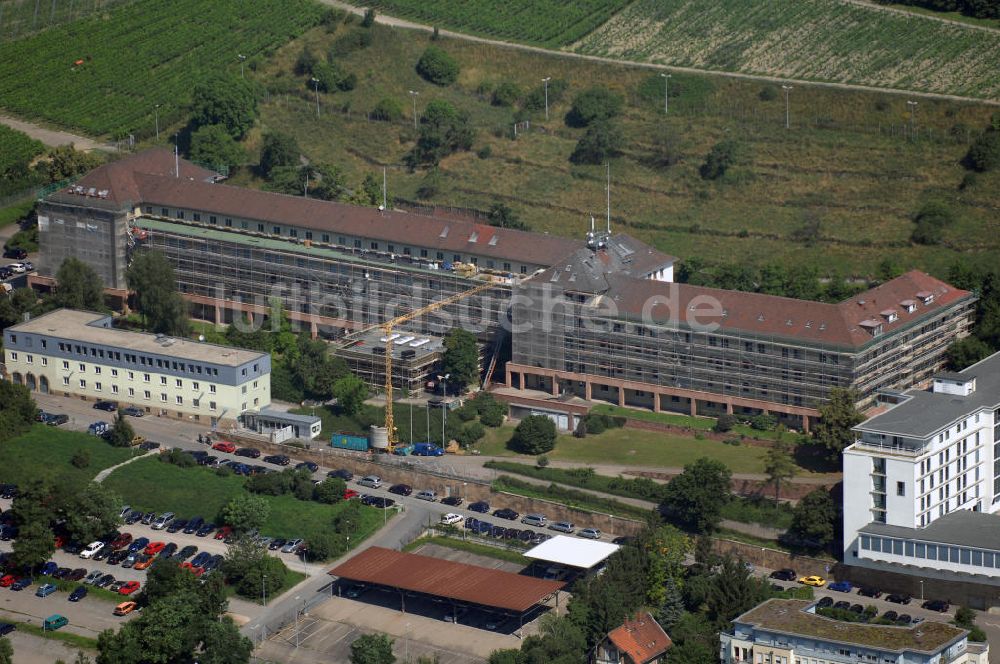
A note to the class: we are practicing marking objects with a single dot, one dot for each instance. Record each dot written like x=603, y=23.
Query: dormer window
x=925, y=296
x=872, y=326
x=909, y=306
x=890, y=315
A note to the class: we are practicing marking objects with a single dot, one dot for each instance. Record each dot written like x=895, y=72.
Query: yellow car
x=817, y=581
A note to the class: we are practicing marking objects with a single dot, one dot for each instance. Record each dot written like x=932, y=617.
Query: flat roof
x=925, y=412
x=572, y=551
x=422, y=345
x=789, y=616
x=92, y=327
x=284, y=416
x=977, y=530
x=446, y=578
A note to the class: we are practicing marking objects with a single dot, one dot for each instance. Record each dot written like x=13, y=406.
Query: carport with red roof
x=458, y=583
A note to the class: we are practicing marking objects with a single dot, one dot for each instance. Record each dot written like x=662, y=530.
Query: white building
x=922, y=481
x=788, y=631
x=80, y=353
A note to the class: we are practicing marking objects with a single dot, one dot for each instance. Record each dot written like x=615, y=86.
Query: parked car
x=77, y=574
x=249, y=452
x=193, y=525
x=54, y=622
x=224, y=446
x=350, y=494
x=122, y=541
x=815, y=581
x=21, y=583
x=149, y=445
x=128, y=588
x=824, y=602
x=138, y=545
x=16, y=268
x=116, y=586
x=786, y=574
x=205, y=530
x=277, y=459
x=104, y=581
x=381, y=503
x=176, y=525
x=427, y=495
x=277, y=543
x=109, y=406
x=451, y=519
x=48, y=569
x=92, y=548
x=7, y=628
x=154, y=548
x=168, y=551
x=163, y=521
x=57, y=420
x=427, y=449
x=118, y=556
x=17, y=253
x=868, y=591
x=93, y=577
x=904, y=619
x=451, y=501
x=78, y=593
x=200, y=559
x=223, y=532
x=355, y=590
x=371, y=481
x=186, y=552
x=401, y=489
x=562, y=527
x=898, y=598
x=841, y=586
x=590, y=533
x=938, y=605
x=125, y=608
x=506, y=513
x=133, y=517
x=345, y=475
x=307, y=465
x=480, y=506
x=133, y=411
x=291, y=545
x=45, y=590
x=143, y=561
x=891, y=615
x=98, y=428
x=843, y=605
x=537, y=520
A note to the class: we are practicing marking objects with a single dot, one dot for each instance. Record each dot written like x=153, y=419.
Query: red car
x=121, y=541
x=60, y=541
x=223, y=532
x=154, y=548
x=129, y=588
x=7, y=580
x=350, y=493
x=223, y=446
x=197, y=571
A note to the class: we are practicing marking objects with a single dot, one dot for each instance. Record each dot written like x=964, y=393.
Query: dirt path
x=53, y=137
x=395, y=22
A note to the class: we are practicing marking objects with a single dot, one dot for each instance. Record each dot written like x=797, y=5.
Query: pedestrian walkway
x=101, y=476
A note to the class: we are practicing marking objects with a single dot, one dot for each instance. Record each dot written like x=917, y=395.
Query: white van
x=91, y=549
x=371, y=481
x=534, y=520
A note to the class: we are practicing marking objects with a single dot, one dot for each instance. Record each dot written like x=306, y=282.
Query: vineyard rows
x=823, y=40
x=140, y=55
x=17, y=150
x=19, y=17
x=541, y=22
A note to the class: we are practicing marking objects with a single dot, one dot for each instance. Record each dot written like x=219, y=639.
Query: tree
x=6, y=651
x=437, y=66
x=470, y=434
x=602, y=141
x=724, y=423
x=369, y=18
x=593, y=104
x=34, y=545
x=502, y=215
x=152, y=278
x=534, y=435
x=372, y=649
x=121, y=433
x=461, y=359
x=78, y=286
x=444, y=130
x=671, y=608
x=17, y=409
x=350, y=393
x=246, y=512
x=226, y=101
x=330, y=491
x=734, y=590
x=215, y=146
x=837, y=417
x=305, y=62
x=89, y=512
x=984, y=153
x=222, y=643
x=323, y=546
x=966, y=352
x=720, y=159
x=815, y=519
x=278, y=149
x=506, y=94
x=696, y=496
x=387, y=109
x=930, y=221
x=779, y=466
x=66, y=161
x=506, y=656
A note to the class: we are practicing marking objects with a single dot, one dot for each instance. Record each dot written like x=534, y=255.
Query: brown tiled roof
x=771, y=315
x=148, y=178
x=446, y=578
x=641, y=638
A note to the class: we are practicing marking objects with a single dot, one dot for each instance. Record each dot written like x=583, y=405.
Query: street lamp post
x=913, y=116
x=413, y=96
x=263, y=589
x=786, y=88
x=921, y=590
x=666, y=93
x=316, y=88
x=546, y=82
x=243, y=59
x=156, y=113
x=444, y=405
x=297, y=597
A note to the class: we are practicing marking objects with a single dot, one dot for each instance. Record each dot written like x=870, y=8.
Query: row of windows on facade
x=774, y=658
x=141, y=360
x=341, y=240
x=939, y=552
x=693, y=366
x=146, y=395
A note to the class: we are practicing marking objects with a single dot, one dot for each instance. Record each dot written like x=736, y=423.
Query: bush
x=930, y=222
x=470, y=434
x=768, y=93
x=437, y=66
x=724, y=423
x=602, y=141
x=598, y=423
x=349, y=43
x=81, y=459
x=179, y=458
x=387, y=110
x=430, y=186
x=535, y=100
x=591, y=105
x=305, y=62
x=348, y=82
x=369, y=19
x=720, y=159
x=984, y=153
x=485, y=152
x=534, y=435
x=506, y=94
x=542, y=461
x=330, y=491
x=763, y=422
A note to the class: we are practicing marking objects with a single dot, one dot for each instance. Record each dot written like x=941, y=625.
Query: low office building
x=788, y=631
x=80, y=354
x=922, y=487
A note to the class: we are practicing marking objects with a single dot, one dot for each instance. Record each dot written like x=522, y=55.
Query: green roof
x=789, y=616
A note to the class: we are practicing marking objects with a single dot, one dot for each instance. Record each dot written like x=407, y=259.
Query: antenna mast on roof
x=177, y=159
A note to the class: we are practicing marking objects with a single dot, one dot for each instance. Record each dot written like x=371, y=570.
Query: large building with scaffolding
x=599, y=319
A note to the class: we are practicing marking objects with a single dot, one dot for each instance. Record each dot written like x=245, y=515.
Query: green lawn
x=630, y=447
x=698, y=423
x=16, y=212
x=150, y=484
x=470, y=547
x=45, y=452
x=570, y=498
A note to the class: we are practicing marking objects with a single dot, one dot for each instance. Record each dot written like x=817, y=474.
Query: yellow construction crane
x=387, y=329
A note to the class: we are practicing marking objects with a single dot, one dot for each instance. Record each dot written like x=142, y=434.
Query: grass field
x=470, y=547
x=689, y=422
x=845, y=162
x=45, y=452
x=150, y=484
x=171, y=47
